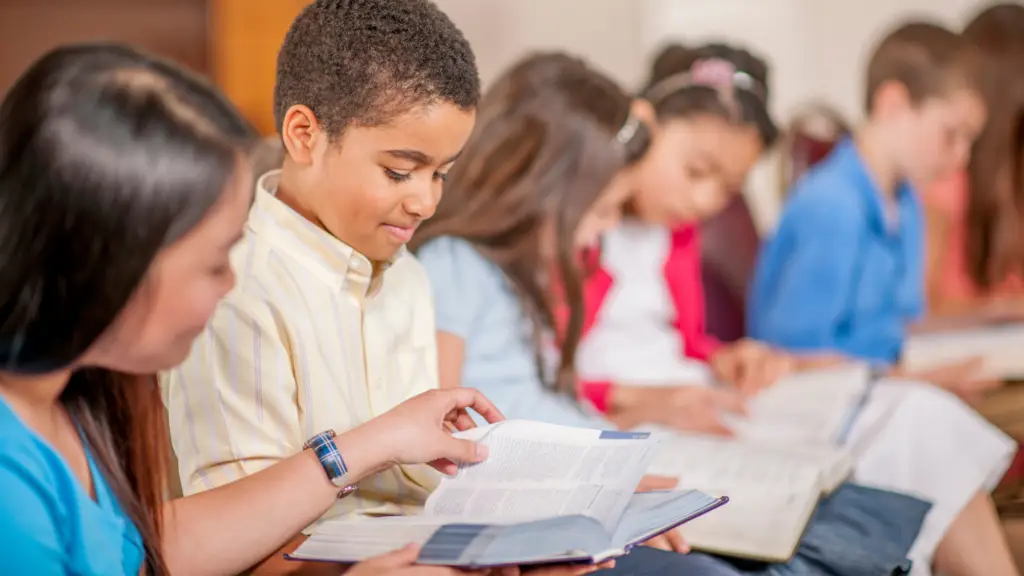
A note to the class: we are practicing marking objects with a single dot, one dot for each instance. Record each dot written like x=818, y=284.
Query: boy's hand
x=751, y=366
x=418, y=430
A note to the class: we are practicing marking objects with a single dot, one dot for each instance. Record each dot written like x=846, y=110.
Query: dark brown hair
x=367, y=61
x=548, y=141
x=106, y=157
x=676, y=91
x=995, y=205
x=928, y=59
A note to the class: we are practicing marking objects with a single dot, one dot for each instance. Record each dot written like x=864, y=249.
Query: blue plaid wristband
x=330, y=458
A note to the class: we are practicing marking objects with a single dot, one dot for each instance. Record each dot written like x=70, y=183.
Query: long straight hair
x=107, y=156
x=995, y=205
x=543, y=150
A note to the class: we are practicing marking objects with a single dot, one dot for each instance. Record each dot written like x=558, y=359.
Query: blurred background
x=816, y=48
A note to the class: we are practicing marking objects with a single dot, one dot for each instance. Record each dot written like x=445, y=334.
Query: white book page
x=347, y=539
x=811, y=407
x=536, y=470
x=771, y=493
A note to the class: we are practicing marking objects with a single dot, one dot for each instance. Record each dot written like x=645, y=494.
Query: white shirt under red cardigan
x=651, y=329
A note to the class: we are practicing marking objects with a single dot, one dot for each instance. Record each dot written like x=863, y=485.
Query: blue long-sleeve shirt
x=842, y=273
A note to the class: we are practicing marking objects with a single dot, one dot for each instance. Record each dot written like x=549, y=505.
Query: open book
x=545, y=494
x=786, y=453
x=997, y=343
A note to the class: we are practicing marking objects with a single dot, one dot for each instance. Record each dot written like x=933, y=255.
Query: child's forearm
x=230, y=528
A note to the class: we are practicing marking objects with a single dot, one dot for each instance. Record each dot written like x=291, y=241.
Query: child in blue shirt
x=844, y=271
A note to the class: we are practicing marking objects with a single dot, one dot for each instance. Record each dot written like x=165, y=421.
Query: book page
x=537, y=470
x=354, y=540
x=999, y=345
x=772, y=494
x=811, y=407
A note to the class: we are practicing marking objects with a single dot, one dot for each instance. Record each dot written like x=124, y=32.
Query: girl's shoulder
x=449, y=257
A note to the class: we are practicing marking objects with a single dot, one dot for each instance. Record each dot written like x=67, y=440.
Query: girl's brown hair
x=716, y=79
x=107, y=156
x=550, y=137
x=995, y=206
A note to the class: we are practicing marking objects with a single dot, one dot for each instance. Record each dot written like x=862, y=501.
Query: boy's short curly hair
x=366, y=61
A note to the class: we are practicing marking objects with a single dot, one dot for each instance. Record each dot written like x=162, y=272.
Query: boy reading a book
x=330, y=322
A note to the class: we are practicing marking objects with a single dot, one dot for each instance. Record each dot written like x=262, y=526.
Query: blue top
x=840, y=274
x=474, y=301
x=49, y=525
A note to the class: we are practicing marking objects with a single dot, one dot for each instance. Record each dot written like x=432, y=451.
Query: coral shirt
x=949, y=198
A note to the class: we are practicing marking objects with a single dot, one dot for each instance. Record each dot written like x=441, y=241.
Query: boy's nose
x=423, y=203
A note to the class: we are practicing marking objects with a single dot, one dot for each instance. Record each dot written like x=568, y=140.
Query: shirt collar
x=323, y=253
x=850, y=159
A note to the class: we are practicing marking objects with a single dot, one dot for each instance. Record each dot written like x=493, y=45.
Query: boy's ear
x=891, y=97
x=301, y=133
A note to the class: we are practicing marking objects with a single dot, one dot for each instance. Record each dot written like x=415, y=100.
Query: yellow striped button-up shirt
x=309, y=340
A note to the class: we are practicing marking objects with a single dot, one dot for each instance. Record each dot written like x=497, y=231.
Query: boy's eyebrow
x=419, y=157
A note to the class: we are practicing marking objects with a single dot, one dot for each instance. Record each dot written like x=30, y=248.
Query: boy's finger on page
x=461, y=450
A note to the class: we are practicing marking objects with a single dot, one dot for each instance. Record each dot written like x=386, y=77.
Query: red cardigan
x=683, y=276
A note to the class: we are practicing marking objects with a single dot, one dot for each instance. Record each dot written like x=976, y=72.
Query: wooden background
x=234, y=42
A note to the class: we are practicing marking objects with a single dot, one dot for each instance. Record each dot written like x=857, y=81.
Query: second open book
x=545, y=494
x=788, y=451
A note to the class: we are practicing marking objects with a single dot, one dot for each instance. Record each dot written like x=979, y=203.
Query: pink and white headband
x=716, y=73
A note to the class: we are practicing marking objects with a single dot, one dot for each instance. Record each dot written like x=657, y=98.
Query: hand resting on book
x=687, y=408
x=750, y=366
